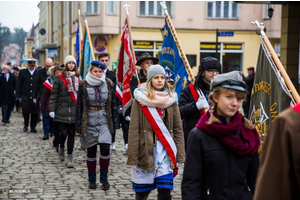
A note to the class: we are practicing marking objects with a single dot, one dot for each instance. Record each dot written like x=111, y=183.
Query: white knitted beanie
x=69, y=58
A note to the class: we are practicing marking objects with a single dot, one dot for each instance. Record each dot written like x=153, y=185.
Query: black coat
x=25, y=86
x=7, y=89
x=249, y=80
x=38, y=86
x=188, y=109
x=111, y=75
x=212, y=171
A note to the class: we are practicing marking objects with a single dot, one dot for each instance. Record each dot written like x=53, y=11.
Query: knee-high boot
x=103, y=180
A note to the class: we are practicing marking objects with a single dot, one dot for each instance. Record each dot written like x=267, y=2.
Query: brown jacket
x=279, y=172
x=140, y=142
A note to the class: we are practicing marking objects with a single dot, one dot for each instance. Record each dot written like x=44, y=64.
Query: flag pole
x=260, y=31
x=182, y=54
x=89, y=36
x=126, y=6
x=79, y=27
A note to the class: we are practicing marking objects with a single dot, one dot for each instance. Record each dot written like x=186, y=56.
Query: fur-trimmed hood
x=51, y=71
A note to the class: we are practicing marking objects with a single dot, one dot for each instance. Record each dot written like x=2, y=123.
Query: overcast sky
x=19, y=14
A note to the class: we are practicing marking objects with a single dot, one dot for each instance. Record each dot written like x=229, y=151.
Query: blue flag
x=86, y=58
x=172, y=62
x=77, y=49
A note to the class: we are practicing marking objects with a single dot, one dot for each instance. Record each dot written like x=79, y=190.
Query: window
x=153, y=8
x=277, y=48
x=229, y=54
x=111, y=7
x=92, y=7
x=222, y=10
x=151, y=47
x=265, y=11
x=65, y=12
x=74, y=10
x=54, y=13
x=192, y=60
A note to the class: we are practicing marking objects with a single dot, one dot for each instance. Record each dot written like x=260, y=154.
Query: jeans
x=47, y=123
x=6, y=111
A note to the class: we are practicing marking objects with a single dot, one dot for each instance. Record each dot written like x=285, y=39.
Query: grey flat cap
x=232, y=80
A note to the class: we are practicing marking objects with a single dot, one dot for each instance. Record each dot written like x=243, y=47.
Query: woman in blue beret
x=96, y=120
x=222, y=159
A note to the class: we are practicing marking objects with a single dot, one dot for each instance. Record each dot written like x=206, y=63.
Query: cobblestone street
x=29, y=163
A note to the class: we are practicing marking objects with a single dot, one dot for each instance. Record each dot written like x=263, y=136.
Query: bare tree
x=20, y=38
x=4, y=38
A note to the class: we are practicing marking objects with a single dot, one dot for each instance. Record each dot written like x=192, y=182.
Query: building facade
x=196, y=24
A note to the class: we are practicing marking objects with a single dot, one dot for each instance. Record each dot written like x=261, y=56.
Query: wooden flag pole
x=126, y=6
x=89, y=37
x=260, y=31
x=182, y=54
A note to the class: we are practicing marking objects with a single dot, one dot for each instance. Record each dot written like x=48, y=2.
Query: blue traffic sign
x=224, y=34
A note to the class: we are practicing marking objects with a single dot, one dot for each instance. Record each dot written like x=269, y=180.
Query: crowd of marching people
x=201, y=127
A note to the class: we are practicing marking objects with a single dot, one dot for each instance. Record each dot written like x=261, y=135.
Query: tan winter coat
x=140, y=141
x=279, y=171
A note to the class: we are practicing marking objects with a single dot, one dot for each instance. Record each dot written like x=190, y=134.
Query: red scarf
x=249, y=143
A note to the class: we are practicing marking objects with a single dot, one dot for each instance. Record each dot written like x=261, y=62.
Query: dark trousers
x=33, y=121
x=56, y=134
x=125, y=128
x=47, y=123
x=38, y=102
x=6, y=111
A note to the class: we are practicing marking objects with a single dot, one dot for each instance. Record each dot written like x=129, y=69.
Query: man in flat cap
x=25, y=87
x=249, y=82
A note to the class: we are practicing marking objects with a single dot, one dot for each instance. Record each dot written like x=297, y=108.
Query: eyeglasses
x=212, y=71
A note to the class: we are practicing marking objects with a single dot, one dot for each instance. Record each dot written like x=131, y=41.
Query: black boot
x=138, y=197
x=103, y=180
x=164, y=197
x=92, y=181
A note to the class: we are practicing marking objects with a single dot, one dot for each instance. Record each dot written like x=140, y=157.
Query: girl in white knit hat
x=62, y=106
x=156, y=143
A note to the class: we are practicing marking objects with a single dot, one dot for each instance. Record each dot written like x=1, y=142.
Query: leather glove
x=52, y=114
x=127, y=118
x=202, y=103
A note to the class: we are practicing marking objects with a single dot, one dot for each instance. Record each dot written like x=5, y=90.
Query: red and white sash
x=48, y=85
x=162, y=133
x=73, y=94
x=119, y=93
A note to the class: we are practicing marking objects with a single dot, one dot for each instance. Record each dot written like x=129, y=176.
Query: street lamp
x=270, y=12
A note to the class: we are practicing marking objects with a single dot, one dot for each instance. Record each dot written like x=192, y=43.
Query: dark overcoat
x=38, y=86
x=25, y=87
x=7, y=89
